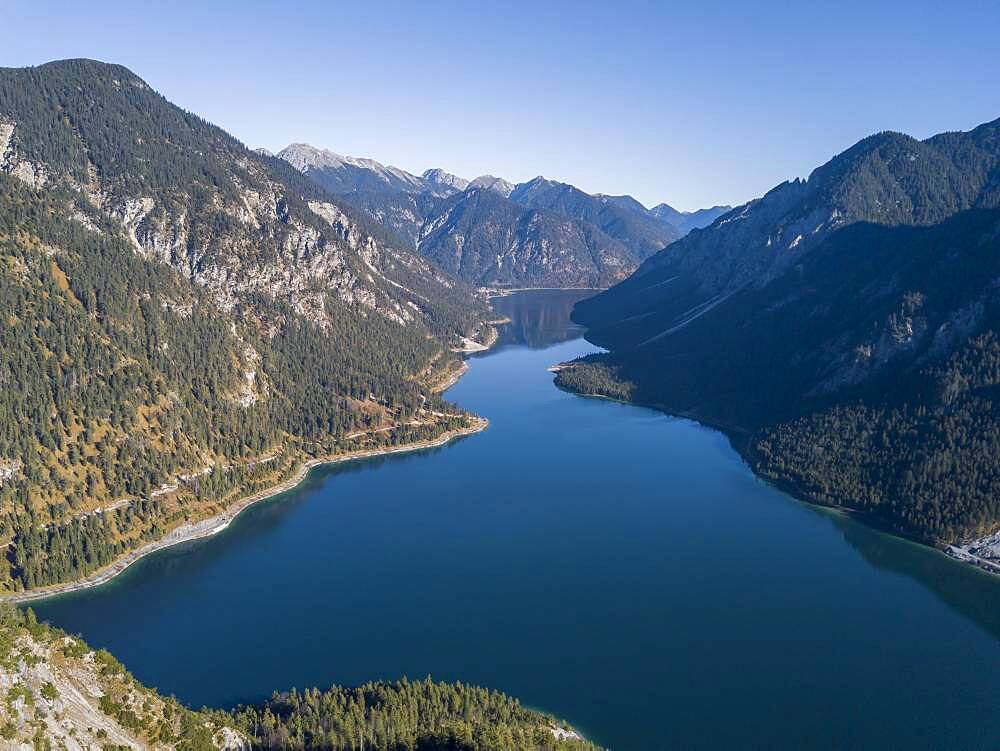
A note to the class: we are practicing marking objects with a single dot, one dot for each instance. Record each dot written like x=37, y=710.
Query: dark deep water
x=615, y=566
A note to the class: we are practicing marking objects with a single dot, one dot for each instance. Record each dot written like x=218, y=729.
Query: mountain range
x=493, y=233
x=186, y=319
x=843, y=328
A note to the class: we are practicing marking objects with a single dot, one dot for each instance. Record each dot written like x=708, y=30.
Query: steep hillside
x=186, y=320
x=859, y=366
x=685, y=221
x=641, y=233
x=496, y=184
x=444, y=181
x=886, y=179
x=405, y=214
x=59, y=693
x=488, y=240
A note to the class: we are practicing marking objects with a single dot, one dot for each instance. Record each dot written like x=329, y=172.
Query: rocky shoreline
x=984, y=552
x=215, y=524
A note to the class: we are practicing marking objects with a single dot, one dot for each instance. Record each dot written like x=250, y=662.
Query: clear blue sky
x=691, y=103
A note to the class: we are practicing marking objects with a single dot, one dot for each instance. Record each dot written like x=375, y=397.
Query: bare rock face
x=343, y=174
x=32, y=173
x=77, y=699
x=445, y=181
x=496, y=184
x=236, y=222
x=6, y=132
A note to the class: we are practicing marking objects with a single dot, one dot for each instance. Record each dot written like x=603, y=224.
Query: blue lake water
x=615, y=566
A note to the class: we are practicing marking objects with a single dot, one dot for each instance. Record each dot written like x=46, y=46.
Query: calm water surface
x=615, y=566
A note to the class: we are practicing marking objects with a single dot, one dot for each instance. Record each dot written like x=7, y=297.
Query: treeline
x=400, y=716
x=593, y=376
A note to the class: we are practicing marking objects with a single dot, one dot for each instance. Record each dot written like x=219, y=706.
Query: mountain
x=445, y=181
x=685, y=221
x=679, y=223
x=620, y=232
x=471, y=229
x=487, y=240
x=405, y=214
x=63, y=694
x=642, y=234
x=187, y=321
x=888, y=179
x=667, y=213
x=344, y=174
x=628, y=203
x=496, y=184
x=843, y=329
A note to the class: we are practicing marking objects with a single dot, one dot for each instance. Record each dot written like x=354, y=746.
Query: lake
x=615, y=566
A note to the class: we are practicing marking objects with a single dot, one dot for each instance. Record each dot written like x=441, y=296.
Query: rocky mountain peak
x=496, y=184
x=446, y=180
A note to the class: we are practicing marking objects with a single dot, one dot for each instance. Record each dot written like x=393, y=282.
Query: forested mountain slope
x=858, y=365
x=889, y=178
x=61, y=694
x=685, y=221
x=488, y=240
x=630, y=224
x=184, y=320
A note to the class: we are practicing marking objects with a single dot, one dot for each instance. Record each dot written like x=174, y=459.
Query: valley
x=570, y=527
x=342, y=455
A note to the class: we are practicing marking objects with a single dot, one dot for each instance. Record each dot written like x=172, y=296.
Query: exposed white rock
x=8, y=469
x=61, y=697
x=564, y=734
x=445, y=180
x=984, y=552
x=30, y=173
x=6, y=134
x=496, y=184
x=305, y=157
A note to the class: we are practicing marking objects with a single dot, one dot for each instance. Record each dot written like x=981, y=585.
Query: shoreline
x=960, y=552
x=213, y=525
x=452, y=378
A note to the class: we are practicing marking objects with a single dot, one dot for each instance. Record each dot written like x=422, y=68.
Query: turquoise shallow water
x=616, y=566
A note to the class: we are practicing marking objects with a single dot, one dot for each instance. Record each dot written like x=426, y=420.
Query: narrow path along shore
x=215, y=524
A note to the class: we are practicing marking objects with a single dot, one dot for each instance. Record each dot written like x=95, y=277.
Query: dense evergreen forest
x=869, y=377
x=403, y=715
x=184, y=320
